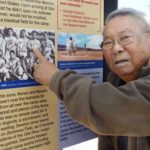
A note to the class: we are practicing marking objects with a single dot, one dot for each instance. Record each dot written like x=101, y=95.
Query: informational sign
x=68, y=34
x=27, y=119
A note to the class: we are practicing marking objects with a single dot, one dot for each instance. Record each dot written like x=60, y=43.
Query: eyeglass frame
x=120, y=40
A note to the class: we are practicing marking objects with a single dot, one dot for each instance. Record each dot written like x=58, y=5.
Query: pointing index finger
x=39, y=55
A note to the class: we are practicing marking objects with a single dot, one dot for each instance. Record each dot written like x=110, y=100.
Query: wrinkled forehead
x=121, y=24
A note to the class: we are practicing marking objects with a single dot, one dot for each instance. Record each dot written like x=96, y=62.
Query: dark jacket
x=118, y=112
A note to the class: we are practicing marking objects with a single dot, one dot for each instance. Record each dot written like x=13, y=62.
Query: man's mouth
x=120, y=63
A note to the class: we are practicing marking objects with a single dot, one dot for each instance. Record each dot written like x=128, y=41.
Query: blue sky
x=143, y=5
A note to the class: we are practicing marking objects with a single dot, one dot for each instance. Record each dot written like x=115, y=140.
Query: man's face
x=24, y=34
x=46, y=36
x=12, y=55
x=126, y=57
x=34, y=35
x=10, y=32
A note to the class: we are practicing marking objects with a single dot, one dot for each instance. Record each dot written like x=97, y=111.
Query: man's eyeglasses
x=122, y=40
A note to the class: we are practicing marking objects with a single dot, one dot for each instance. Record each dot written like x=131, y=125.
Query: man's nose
x=117, y=47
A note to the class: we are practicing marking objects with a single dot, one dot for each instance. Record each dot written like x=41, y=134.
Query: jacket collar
x=145, y=70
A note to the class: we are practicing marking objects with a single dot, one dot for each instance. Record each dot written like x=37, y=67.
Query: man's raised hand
x=43, y=71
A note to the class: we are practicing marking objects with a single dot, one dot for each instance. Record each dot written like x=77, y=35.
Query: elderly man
x=117, y=110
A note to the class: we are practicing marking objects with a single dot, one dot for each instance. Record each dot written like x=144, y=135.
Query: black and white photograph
x=16, y=52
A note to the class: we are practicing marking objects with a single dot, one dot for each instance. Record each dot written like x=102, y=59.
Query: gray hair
x=136, y=14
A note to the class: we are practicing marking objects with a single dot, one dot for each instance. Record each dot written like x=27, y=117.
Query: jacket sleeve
x=103, y=108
